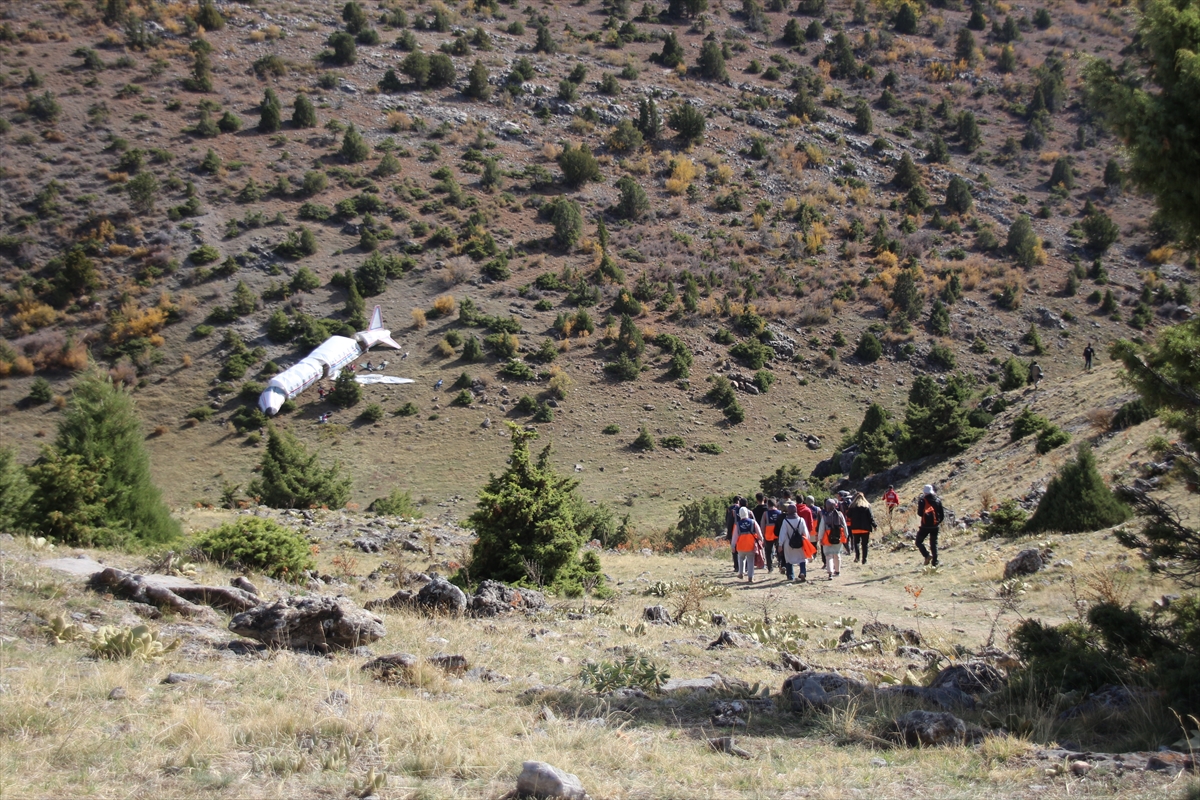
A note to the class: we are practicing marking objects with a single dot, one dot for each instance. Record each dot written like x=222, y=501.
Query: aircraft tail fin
x=376, y=320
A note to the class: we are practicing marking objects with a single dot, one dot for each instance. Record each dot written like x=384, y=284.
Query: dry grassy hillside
x=776, y=206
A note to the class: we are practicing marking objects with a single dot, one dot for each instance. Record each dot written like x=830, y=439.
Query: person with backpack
x=832, y=533
x=814, y=511
x=731, y=520
x=929, y=509
x=861, y=522
x=749, y=539
x=795, y=548
x=770, y=529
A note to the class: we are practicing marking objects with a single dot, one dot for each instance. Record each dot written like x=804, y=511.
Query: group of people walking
x=796, y=530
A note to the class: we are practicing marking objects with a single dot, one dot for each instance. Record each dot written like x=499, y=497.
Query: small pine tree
x=907, y=175
x=1023, y=244
x=477, y=82
x=1077, y=501
x=14, y=492
x=304, y=114
x=711, y=63
x=545, y=41
x=290, y=476
x=101, y=427
x=644, y=440
x=939, y=319
x=472, y=350
x=648, y=122
x=271, y=115
x=688, y=123
x=524, y=517
x=869, y=348
x=863, y=122
x=633, y=202
x=958, y=196
x=208, y=17
x=1063, y=174
x=568, y=223
x=354, y=148
x=968, y=131
x=672, y=52
x=906, y=20
x=578, y=165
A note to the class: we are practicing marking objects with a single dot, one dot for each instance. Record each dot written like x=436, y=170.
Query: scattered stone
x=971, y=677
x=1080, y=768
x=1108, y=699
x=539, y=779
x=454, y=664
x=847, y=636
x=392, y=667
x=241, y=582
x=732, y=639
x=878, y=762
x=918, y=728
x=118, y=693
x=942, y=697
x=792, y=662
x=1026, y=562
x=819, y=690
x=317, y=623
x=175, y=678
x=880, y=630
x=547, y=714
x=657, y=614
x=724, y=744
x=494, y=598
x=145, y=610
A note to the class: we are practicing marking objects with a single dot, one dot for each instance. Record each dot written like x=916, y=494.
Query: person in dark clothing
x=862, y=522
x=731, y=521
x=1088, y=354
x=929, y=509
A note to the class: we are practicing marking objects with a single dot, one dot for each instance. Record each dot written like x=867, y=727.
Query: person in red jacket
x=891, y=499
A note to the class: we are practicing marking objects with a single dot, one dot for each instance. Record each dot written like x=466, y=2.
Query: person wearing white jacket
x=790, y=526
x=832, y=534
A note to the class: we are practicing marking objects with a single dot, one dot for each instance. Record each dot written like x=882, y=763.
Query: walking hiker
x=815, y=511
x=771, y=531
x=731, y=520
x=795, y=548
x=891, y=499
x=843, y=505
x=929, y=509
x=749, y=538
x=1088, y=354
x=832, y=533
x=862, y=522
x=1035, y=374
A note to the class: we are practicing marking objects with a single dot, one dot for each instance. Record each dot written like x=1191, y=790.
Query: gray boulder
x=972, y=677
x=1026, y=562
x=442, y=595
x=539, y=779
x=712, y=683
x=819, y=690
x=494, y=598
x=732, y=639
x=917, y=728
x=314, y=623
x=657, y=614
x=392, y=667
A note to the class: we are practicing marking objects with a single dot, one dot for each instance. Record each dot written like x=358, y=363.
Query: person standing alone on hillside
x=1088, y=354
x=929, y=509
x=891, y=499
x=861, y=522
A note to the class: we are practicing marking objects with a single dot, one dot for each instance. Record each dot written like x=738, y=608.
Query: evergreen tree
x=201, y=77
x=936, y=420
x=279, y=327
x=568, y=223
x=958, y=196
x=304, y=114
x=208, y=17
x=688, y=123
x=356, y=314
x=1007, y=62
x=968, y=131
x=863, y=122
x=937, y=152
x=345, y=51
x=477, y=82
x=906, y=19
x=1063, y=174
x=101, y=428
x=354, y=148
x=874, y=437
x=346, y=390
x=633, y=202
x=578, y=165
x=355, y=18
x=907, y=175
x=14, y=492
x=964, y=47
x=524, y=516
x=906, y=297
x=290, y=477
x=711, y=62
x=472, y=350
x=271, y=119
x=545, y=42
x=792, y=35
x=939, y=319
x=1023, y=243
x=672, y=52
x=115, y=12
x=648, y=122
x=1077, y=501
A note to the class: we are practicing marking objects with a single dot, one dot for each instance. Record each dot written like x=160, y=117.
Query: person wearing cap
x=793, y=527
x=749, y=537
x=832, y=534
x=931, y=513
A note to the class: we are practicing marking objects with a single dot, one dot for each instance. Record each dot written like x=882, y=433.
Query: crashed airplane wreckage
x=326, y=362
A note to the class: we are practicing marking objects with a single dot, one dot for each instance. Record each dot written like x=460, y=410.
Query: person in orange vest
x=749, y=536
x=832, y=533
x=931, y=512
x=862, y=522
x=731, y=520
x=770, y=528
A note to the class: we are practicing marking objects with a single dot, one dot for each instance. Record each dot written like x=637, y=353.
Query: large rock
x=494, y=598
x=539, y=779
x=929, y=728
x=442, y=595
x=1026, y=562
x=657, y=614
x=819, y=690
x=972, y=677
x=316, y=623
x=732, y=639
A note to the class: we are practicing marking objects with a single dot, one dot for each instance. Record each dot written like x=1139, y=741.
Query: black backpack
x=795, y=538
x=833, y=530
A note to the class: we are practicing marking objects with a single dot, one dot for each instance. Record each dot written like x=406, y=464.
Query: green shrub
x=644, y=440
x=41, y=391
x=346, y=390
x=1026, y=423
x=611, y=430
x=290, y=477
x=1015, y=374
x=1050, y=437
x=517, y=369
x=869, y=348
x=763, y=380
x=1008, y=520
x=204, y=254
x=1134, y=412
x=672, y=442
x=699, y=519
x=409, y=409
x=1077, y=500
x=709, y=448
x=372, y=413
x=752, y=353
x=255, y=543
x=396, y=504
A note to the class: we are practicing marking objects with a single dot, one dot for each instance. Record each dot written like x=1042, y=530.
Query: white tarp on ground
x=368, y=378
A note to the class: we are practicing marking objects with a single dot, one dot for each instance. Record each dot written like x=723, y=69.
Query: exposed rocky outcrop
x=309, y=623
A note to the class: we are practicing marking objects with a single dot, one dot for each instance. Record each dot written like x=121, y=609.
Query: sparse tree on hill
x=711, y=63
x=304, y=115
x=354, y=148
x=688, y=123
x=958, y=196
x=290, y=476
x=1076, y=500
x=477, y=82
x=208, y=17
